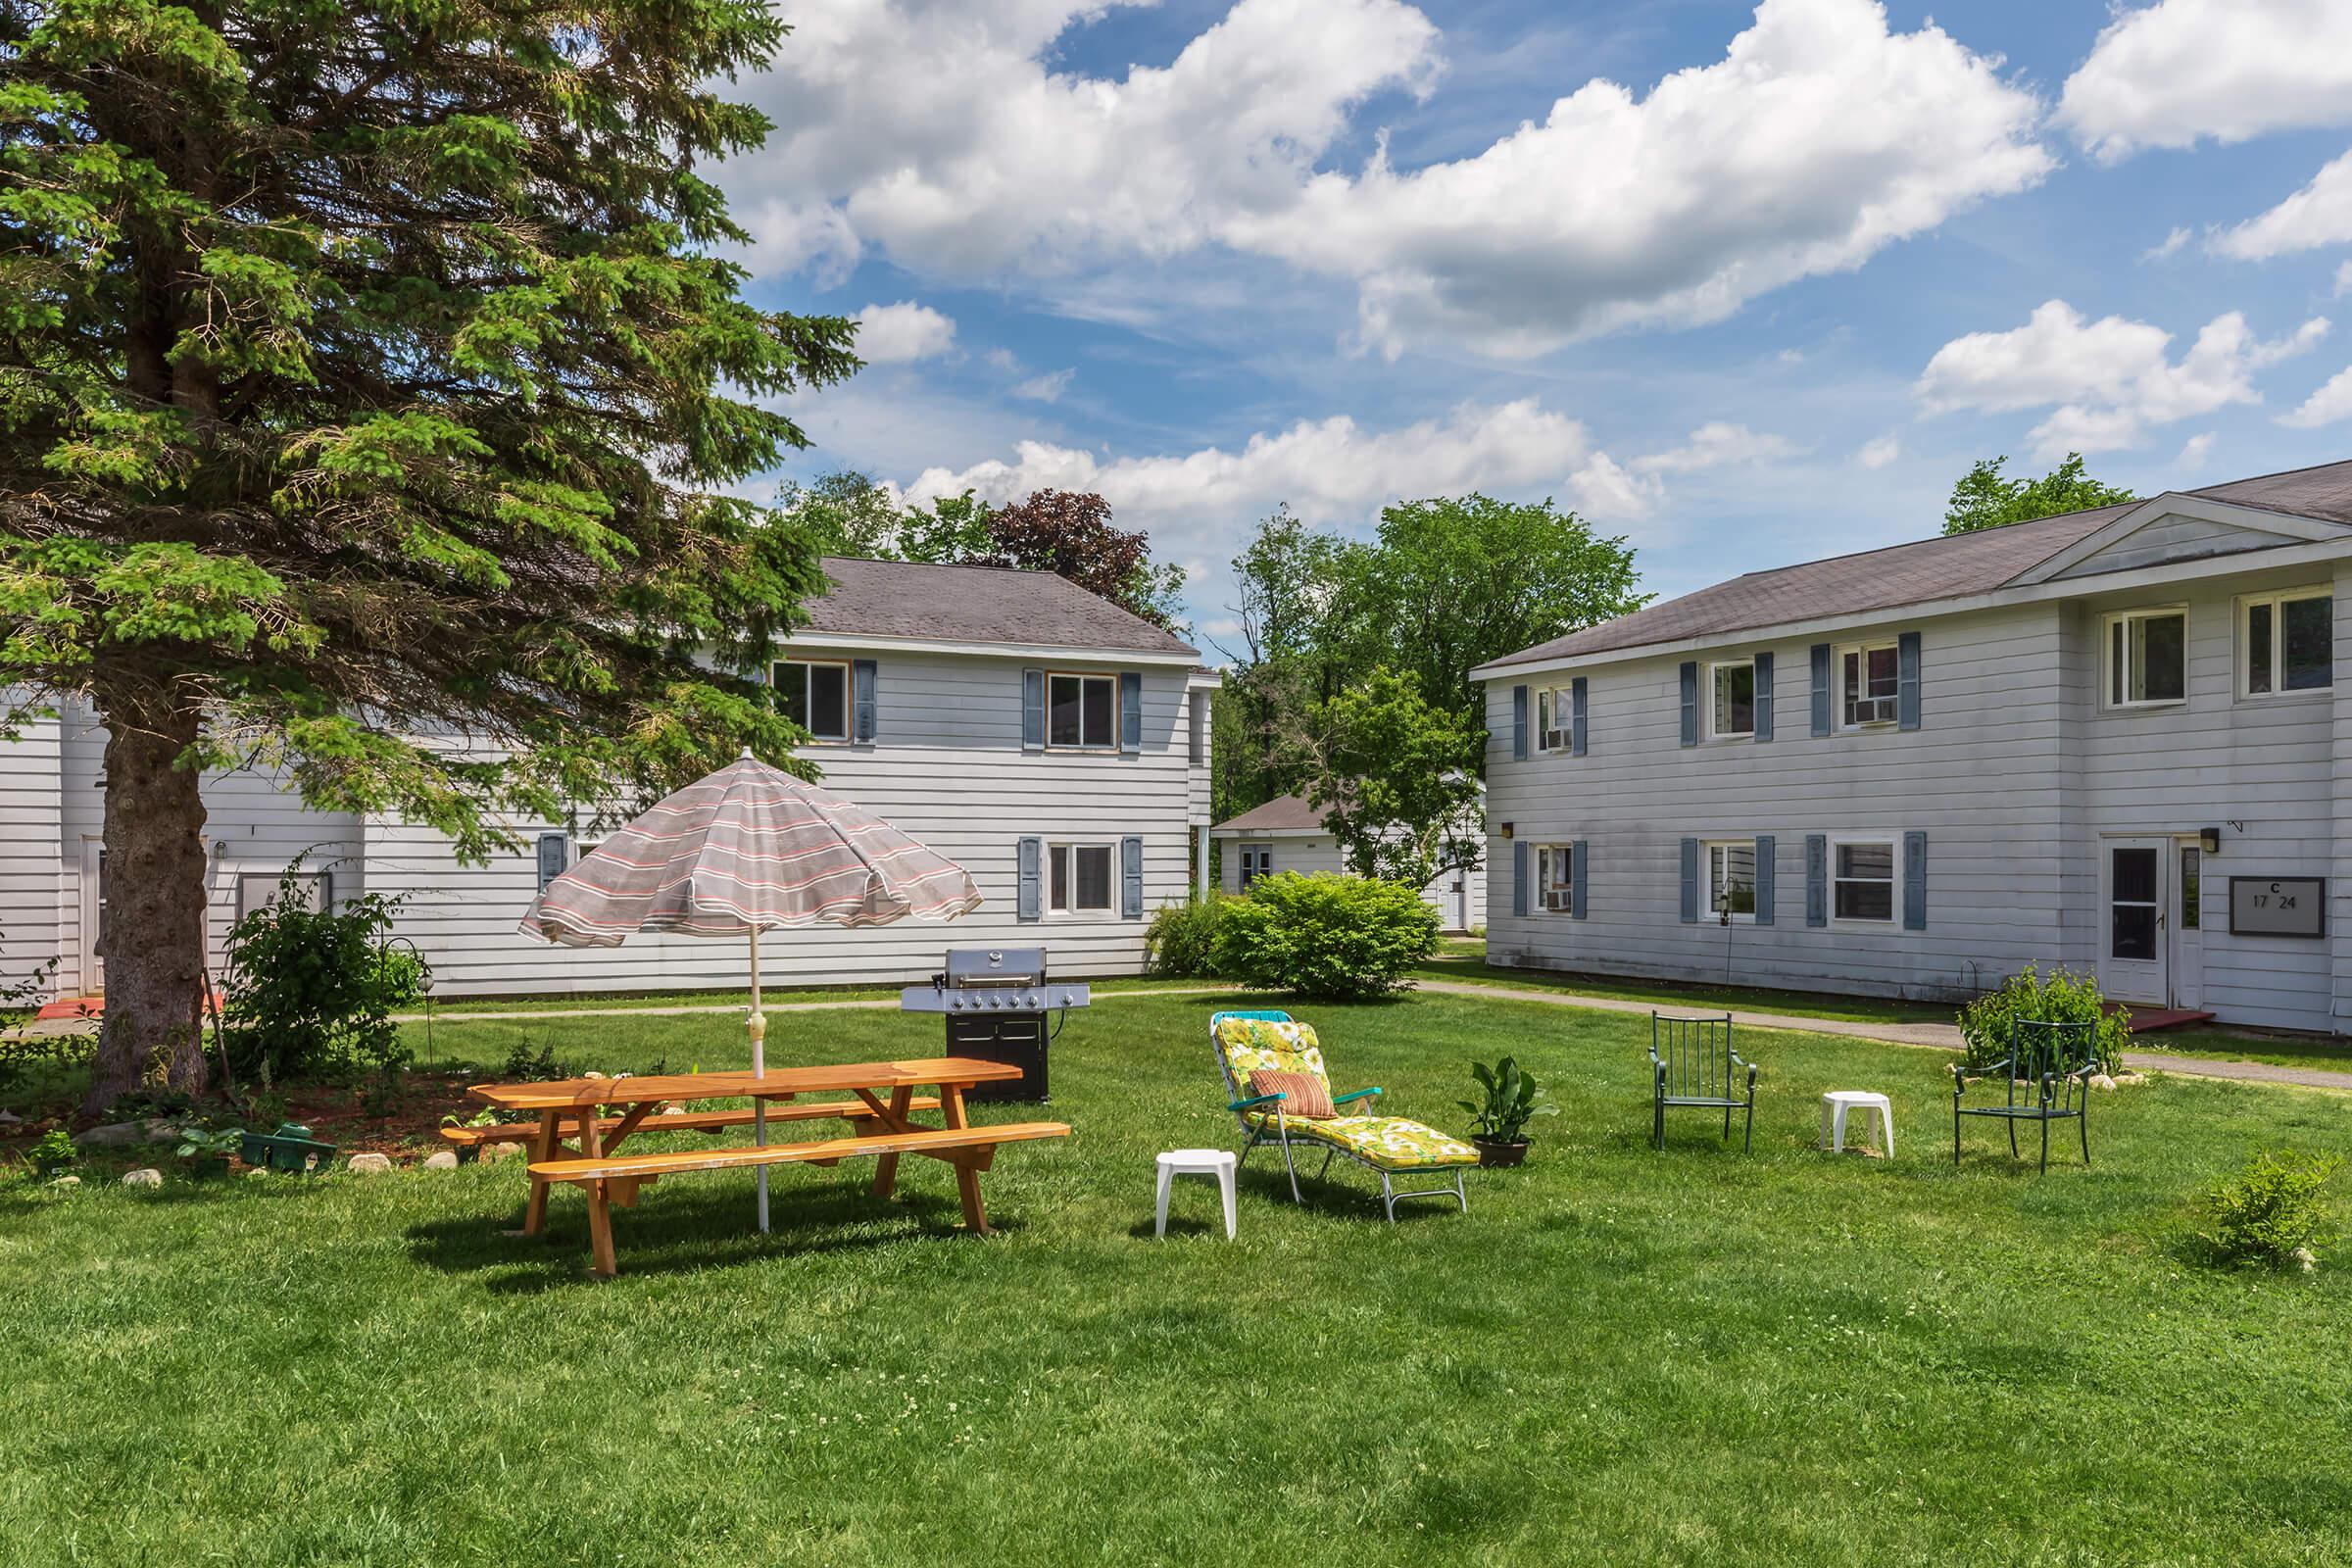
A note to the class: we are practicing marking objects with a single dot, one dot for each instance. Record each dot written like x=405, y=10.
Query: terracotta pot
x=1491, y=1153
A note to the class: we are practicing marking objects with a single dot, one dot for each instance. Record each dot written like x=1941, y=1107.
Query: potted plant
x=207, y=1150
x=1511, y=1102
x=54, y=1153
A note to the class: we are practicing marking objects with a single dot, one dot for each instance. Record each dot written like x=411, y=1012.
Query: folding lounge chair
x=1390, y=1146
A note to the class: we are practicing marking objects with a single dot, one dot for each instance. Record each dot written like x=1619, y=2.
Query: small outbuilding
x=1286, y=834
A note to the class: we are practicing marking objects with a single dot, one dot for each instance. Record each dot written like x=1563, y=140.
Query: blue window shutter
x=1766, y=848
x=1576, y=721
x=1519, y=879
x=1817, y=879
x=1026, y=900
x=1131, y=857
x=1131, y=711
x=1518, y=724
x=1915, y=881
x=861, y=685
x=1033, y=716
x=1690, y=703
x=1577, y=861
x=1690, y=877
x=555, y=856
x=1822, y=700
x=1906, y=681
x=1764, y=696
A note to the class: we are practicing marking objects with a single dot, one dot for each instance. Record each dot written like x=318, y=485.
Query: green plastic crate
x=291, y=1148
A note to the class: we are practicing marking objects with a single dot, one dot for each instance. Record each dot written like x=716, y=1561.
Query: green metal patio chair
x=1390, y=1146
x=2054, y=1063
x=1691, y=1064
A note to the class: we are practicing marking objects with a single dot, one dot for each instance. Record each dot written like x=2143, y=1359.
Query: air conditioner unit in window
x=1873, y=711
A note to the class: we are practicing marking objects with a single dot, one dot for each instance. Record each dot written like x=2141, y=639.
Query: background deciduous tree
x=369, y=375
x=1985, y=499
x=1395, y=779
x=1070, y=533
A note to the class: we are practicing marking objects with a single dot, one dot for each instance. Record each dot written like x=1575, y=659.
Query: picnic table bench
x=577, y=1110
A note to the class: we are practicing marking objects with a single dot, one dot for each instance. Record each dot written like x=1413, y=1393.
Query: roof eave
x=1182, y=656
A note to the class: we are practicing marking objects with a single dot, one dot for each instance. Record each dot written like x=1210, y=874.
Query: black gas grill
x=995, y=1001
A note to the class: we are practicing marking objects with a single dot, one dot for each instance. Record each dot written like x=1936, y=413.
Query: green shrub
x=1182, y=939
x=2271, y=1212
x=309, y=993
x=1326, y=935
x=2059, y=996
x=20, y=1054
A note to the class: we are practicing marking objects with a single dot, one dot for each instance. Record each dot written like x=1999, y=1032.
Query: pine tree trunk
x=153, y=937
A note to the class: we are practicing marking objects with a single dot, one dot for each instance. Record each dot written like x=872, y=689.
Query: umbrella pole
x=756, y=1024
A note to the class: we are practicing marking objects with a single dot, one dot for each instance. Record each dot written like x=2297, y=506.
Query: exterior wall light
x=2209, y=838
x=1507, y=829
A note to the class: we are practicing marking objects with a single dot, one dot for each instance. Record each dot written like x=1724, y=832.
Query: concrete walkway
x=1927, y=1035
x=619, y=1009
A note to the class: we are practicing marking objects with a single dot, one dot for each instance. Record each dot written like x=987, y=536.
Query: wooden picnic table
x=579, y=1109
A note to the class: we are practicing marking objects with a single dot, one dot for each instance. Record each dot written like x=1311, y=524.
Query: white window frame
x=1710, y=696
x=1546, y=857
x=1111, y=884
x=848, y=694
x=1082, y=743
x=1706, y=870
x=1555, y=720
x=2130, y=619
x=1860, y=652
x=1263, y=855
x=1892, y=843
x=2242, y=617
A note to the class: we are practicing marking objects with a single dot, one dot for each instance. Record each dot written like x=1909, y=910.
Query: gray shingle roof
x=1925, y=569
x=1286, y=813
x=978, y=605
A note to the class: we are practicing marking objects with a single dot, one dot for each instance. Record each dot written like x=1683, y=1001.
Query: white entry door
x=93, y=915
x=2132, y=927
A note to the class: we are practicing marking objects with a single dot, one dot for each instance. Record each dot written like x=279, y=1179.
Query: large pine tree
x=371, y=375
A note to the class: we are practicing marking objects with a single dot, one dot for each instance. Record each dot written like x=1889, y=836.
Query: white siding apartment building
x=2117, y=740
x=1286, y=834
x=1049, y=742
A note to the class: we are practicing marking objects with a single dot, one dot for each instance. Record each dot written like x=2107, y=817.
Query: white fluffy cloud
x=2173, y=73
x=897, y=334
x=1045, y=388
x=1879, y=452
x=1330, y=471
x=935, y=132
x=2106, y=381
x=1818, y=139
x=2320, y=214
x=2330, y=405
x=1715, y=445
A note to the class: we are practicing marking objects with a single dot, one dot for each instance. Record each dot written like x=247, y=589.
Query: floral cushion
x=1385, y=1142
x=1261, y=1044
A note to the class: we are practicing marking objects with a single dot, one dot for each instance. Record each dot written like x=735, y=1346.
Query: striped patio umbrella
x=750, y=849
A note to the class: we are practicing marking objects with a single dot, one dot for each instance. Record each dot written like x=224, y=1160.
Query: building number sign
x=2278, y=906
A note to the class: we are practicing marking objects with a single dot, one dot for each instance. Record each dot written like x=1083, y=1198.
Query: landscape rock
x=9, y=1118
x=67, y=1181
x=2099, y=1080
x=111, y=1136
x=592, y=1075
x=441, y=1159
x=370, y=1164
x=148, y=1177
x=2127, y=1079
x=498, y=1151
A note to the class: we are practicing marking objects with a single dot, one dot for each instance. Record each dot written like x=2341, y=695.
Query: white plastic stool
x=1217, y=1162
x=1838, y=1102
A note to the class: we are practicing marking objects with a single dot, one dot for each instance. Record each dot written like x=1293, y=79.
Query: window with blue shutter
x=862, y=673
x=1915, y=881
x=1026, y=901
x=1690, y=703
x=1767, y=884
x=1576, y=725
x=1817, y=879
x=1519, y=858
x=1906, y=681
x=1131, y=712
x=1033, y=717
x=1579, y=863
x=1764, y=696
x=1519, y=726
x=1131, y=878
x=555, y=856
x=1821, y=701
x=1689, y=878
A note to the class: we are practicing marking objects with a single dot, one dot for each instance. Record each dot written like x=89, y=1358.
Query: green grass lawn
x=1619, y=1356
x=2231, y=1045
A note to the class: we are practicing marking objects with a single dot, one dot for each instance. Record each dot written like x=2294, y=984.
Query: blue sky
x=1747, y=284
